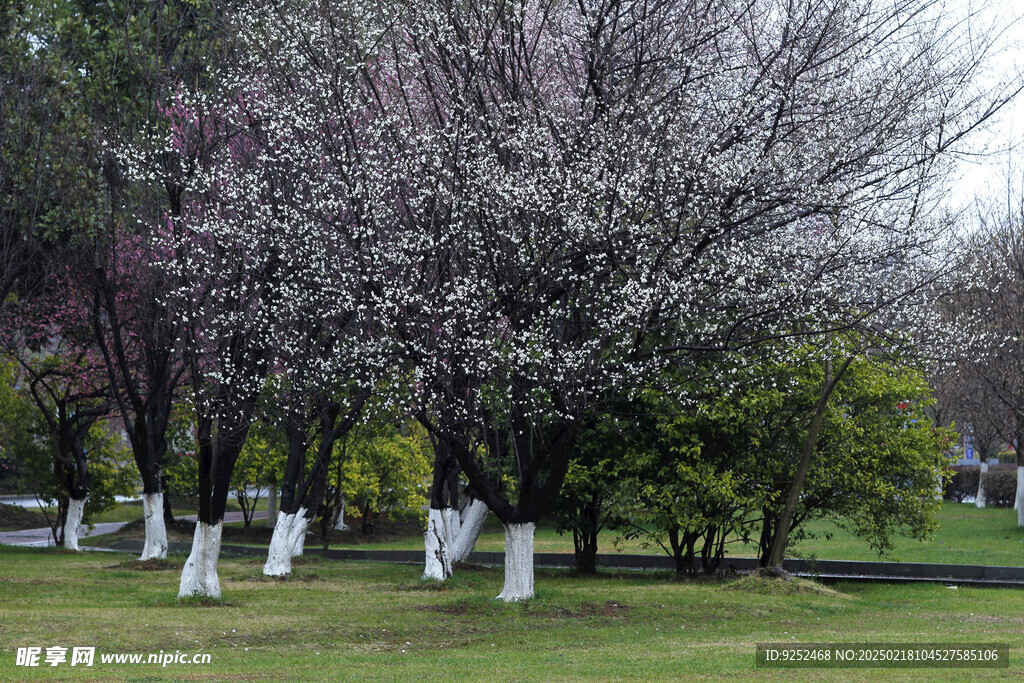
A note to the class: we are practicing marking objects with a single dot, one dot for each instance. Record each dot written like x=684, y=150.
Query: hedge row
x=1000, y=484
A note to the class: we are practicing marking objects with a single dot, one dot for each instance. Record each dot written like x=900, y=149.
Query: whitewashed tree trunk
x=339, y=520
x=438, y=565
x=76, y=508
x=156, y=531
x=199, y=575
x=272, y=506
x=279, y=556
x=455, y=525
x=1019, y=498
x=451, y=526
x=475, y=514
x=518, y=562
x=981, y=498
x=297, y=532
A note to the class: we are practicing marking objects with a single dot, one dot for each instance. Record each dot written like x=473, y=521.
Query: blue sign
x=969, y=452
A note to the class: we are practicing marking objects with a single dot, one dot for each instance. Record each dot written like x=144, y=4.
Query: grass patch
x=363, y=620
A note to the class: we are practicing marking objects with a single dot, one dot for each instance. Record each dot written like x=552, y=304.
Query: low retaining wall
x=820, y=569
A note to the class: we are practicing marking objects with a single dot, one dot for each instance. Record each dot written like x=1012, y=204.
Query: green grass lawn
x=967, y=535
x=351, y=620
x=130, y=512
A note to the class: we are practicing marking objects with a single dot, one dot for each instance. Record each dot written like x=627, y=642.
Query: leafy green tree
x=592, y=495
x=386, y=469
x=878, y=460
x=20, y=424
x=259, y=466
x=691, y=478
x=29, y=463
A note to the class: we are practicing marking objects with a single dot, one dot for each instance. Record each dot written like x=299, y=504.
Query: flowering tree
x=986, y=381
x=138, y=341
x=48, y=336
x=269, y=255
x=303, y=488
x=593, y=192
x=531, y=206
x=540, y=204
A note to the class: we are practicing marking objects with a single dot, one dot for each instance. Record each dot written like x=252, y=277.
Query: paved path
x=33, y=502
x=39, y=538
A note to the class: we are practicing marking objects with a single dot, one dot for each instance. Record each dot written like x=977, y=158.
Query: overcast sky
x=986, y=175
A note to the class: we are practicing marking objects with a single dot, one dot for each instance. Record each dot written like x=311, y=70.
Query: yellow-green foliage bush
x=386, y=469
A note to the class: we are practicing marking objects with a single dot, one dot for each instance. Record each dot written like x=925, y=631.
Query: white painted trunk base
x=279, y=556
x=199, y=575
x=339, y=521
x=156, y=531
x=1019, y=498
x=438, y=565
x=449, y=515
x=475, y=514
x=518, y=562
x=76, y=508
x=980, y=499
x=272, y=507
x=297, y=533
x=454, y=520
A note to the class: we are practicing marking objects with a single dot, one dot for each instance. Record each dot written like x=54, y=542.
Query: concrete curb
x=826, y=570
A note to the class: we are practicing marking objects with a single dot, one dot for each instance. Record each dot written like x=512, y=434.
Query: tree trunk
x=76, y=508
x=1019, y=498
x=469, y=531
x=584, y=536
x=339, y=516
x=297, y=533
x=367, y=526
x=585, y=545
x=713, y=552
x=439, y=537
x=156, y=529
x=199, y=575
x=981, y=499
x=518, y=562
x=217, y=457
x=793, y=499
x=454, y=520
x=166, y=498
x=450, y=515
x=438, y=564
x=279, y=555
x=272, y=506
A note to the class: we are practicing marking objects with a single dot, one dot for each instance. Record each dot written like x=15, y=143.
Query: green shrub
x=962, y=484
x=1001, y=486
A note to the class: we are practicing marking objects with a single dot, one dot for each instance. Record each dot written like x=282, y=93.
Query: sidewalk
x=40, y=538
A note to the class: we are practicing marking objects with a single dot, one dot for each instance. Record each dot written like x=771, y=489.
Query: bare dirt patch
x=260, y=578
x=154, y=565
x=767, y=582
x=17, y=518
x=608, y=608
x=456, y=609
